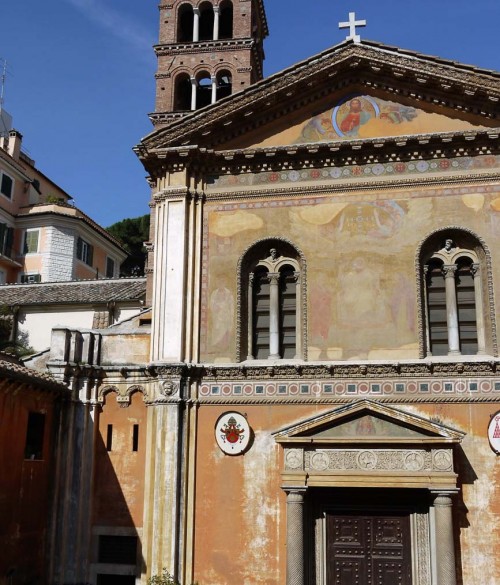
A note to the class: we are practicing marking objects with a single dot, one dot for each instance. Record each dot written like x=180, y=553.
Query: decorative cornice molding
x=414, y=77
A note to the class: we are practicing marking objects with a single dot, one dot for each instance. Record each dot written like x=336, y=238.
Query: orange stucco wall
x=119, y=473
x=24, y=484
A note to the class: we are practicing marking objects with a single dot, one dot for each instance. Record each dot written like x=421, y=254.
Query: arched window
x=271, y=304
x=182, y=92
x=203, y=90
x=224, y=84
x=185, y=23
x=226, y=20
x=458, y=317
x=206, y=21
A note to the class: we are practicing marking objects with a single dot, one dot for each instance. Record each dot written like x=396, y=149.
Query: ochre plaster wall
x=241, y=508
x=361, y=241
x=24, y=483
x=119, y=473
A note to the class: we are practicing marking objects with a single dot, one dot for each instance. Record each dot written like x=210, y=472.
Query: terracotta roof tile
x=74, y=292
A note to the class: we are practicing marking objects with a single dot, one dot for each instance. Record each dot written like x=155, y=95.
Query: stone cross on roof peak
x=351, y=25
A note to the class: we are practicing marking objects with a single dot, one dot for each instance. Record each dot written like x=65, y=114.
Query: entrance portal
x=368, y=549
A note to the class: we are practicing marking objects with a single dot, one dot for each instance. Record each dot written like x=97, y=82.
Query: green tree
x=132, y=233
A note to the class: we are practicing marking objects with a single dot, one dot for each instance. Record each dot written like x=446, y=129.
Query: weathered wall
x=24, y=484
x=241, y=509
x=363, y=241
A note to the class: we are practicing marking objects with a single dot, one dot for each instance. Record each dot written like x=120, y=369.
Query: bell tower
x=208, y=49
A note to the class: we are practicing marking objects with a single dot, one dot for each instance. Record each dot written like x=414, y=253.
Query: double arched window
x=271, y=301
x=455, y=280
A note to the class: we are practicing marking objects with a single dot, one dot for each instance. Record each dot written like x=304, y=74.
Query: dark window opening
x=135, y=438
x=226, y=21
x=7, y=186
x=6, y=239
x=466, y=307
x=84, y=251
x=261, y=306
x=109, y=438
x=224, y=85
x=182, y=98
x=436, y=306
x=119, y=550
x=206, y=22
x=203, y=92
x=110, y=267
x=115, y=579
x=34, y=436
x=185, y=21
x=288, y=312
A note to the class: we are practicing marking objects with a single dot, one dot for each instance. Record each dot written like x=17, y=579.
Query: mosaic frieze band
x=368, y=460
x=412, y=167
x=375, y=387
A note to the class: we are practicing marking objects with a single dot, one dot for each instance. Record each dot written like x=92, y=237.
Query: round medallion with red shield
x=232, y=433
x=494, y=432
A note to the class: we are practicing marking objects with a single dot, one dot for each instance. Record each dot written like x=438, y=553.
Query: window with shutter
x=454, y=301
x=6, y=185
x=274, y=316
x=31, y=238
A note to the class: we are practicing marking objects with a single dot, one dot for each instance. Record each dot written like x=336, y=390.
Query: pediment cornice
x=467, y=90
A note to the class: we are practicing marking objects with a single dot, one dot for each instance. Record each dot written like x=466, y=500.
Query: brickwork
x=179, y=57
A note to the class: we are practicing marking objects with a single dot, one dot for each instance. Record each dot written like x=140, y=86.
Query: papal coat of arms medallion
x=232, y=433
x=494, y=432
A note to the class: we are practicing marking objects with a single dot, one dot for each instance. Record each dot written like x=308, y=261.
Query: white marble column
x=216, y=22
x=194, y=87
x=213, y=79
x=274, y=311
x=449, y=271
x=196, y=25
x=250, y=316
x=445, y=546
x=295, y=572
x=298, y=316
x=478, y=298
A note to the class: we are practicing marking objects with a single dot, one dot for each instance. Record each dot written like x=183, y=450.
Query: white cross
x=351, y=25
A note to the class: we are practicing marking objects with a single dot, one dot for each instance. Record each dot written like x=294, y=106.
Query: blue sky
x=81, y=83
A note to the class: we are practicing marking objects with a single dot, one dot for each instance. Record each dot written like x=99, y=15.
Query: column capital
x=475, y=269
x=216, y=9
x=274, y=277
x=449, y=270
x=196, y=11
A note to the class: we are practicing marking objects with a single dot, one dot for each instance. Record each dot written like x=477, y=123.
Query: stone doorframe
x=406, y=451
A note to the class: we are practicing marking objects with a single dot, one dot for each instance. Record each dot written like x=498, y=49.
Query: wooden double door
x=368, y=548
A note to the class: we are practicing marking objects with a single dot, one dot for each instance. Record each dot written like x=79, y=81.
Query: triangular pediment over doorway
x=366, y=421
x=399, y=93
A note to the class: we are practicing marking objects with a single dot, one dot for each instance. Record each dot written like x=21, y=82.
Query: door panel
x=368, y=549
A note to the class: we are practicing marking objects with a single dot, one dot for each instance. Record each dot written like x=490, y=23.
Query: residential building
x=42, y=237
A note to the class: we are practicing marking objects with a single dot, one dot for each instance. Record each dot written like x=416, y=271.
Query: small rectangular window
x=30, y=278
x=34, y=436
x=7, y=186
x=109, y=438
x=110, y=267
x=31, y=238
x=135, y=438
x=119, y=550
x=84, y=251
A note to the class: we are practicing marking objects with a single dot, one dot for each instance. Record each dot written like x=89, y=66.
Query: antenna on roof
x=3, y=80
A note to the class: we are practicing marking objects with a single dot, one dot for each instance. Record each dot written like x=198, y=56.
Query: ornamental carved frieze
x=368, y=460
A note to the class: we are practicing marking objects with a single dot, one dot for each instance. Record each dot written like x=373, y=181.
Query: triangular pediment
x=367, y=421
x=399, y=93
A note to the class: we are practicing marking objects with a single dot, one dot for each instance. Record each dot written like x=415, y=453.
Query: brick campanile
x=207, y=50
